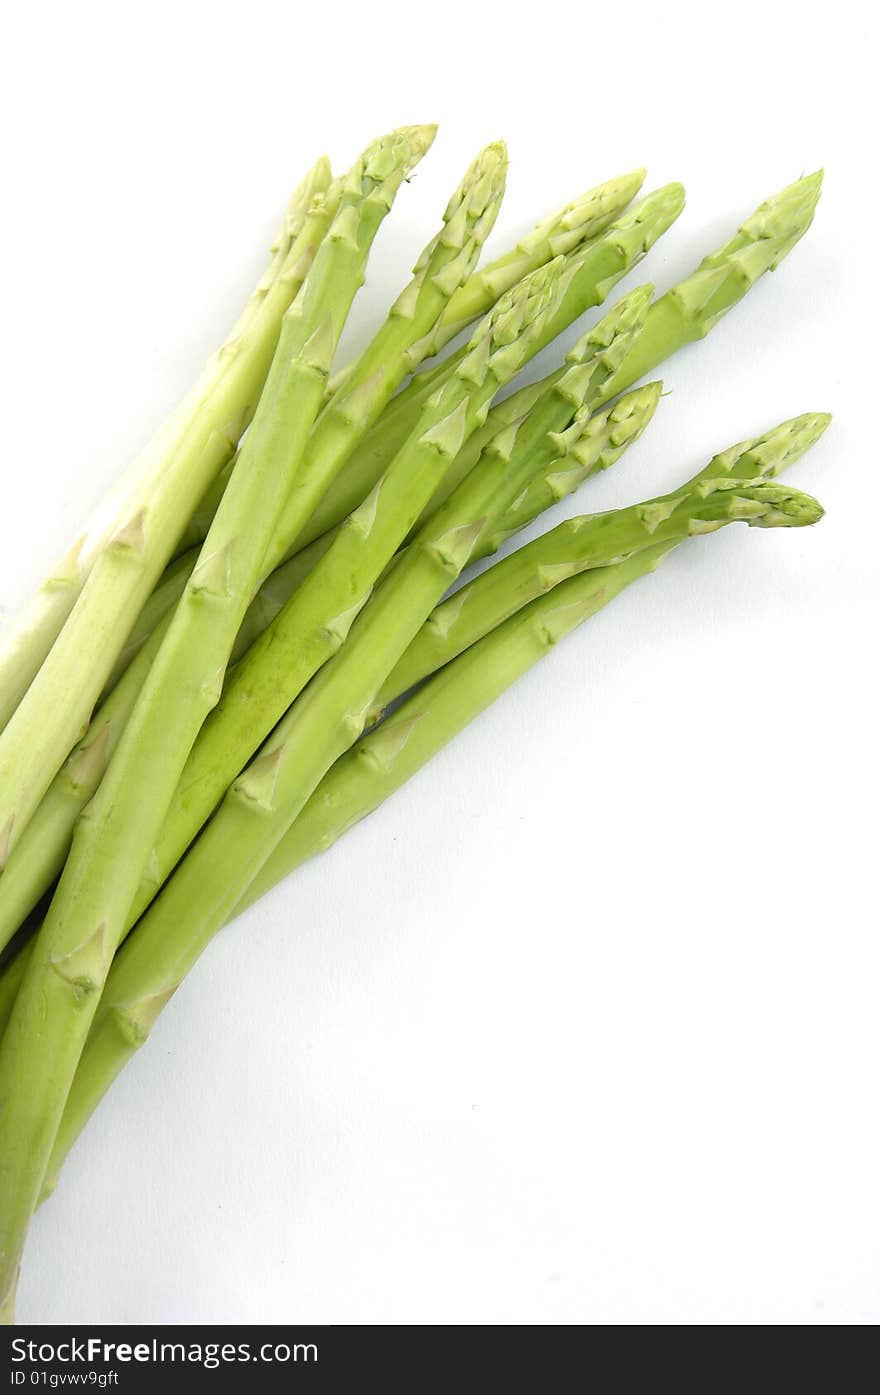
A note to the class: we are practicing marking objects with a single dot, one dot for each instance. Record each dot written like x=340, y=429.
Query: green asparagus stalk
x=444, y=265
x=484, y=605
x=592, y=443
x=571, y=227
x=377, y=765
x=565, y=231
x=11, y=975
x=691, y=309
x=410, y=334
x=316, y=620
x=700, y=506
x=390, y=754
x=683, y=315
x=216, y=409
x=37, y=860
x=257, y=694
x=421, y=575
x=86, y=921
x=61, y=697
x=261, y=807
x=168, y=591
x=594, y=270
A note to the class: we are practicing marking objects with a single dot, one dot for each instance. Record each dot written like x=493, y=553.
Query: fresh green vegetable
x=564, y=231
x=684, y=314
x=218, y=407
x=186, y=702
x=314, y=623
x=391, y=753
x=445, y=265
x=699, y=506
x=300, y=614
x=263, y=804
x=594, y=270
x=86, y=920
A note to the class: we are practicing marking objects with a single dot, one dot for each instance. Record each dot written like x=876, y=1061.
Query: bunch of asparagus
x=254, y=640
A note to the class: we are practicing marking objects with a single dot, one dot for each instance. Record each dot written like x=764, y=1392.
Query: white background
x=582, y=1027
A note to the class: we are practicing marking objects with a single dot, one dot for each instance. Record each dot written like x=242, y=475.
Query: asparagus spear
x=377, y=765
x=38, y=858
x=564, y=231
x=270, y=677
x=567, y=230
x=684, y=314
x=315, y=621
x=444, y=265
x=261, y=808
x=390, y=754
x=497, y=351
x=539, y=566
x=86, y=920
x=594, y=270
x=304, y=635
x=369, y=383
x=452, y=626
x=105, y=596
x=173, y=581
x=593, y=442
x=217, y=407
x=691, y=309
x=168, y=591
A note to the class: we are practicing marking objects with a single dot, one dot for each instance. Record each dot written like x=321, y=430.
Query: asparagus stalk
x=58, y=702
x=691, y=309
x=452, y=627
x=390, y=754
x=594, y=270
x=683, y=315
x=38, y=858
x=261, y=807
x=410, y=335
x=11, y=975
x=307, y=630
x=592, y=443
x=219, y=404
x=73, y=952
x=316, y=620
x=169, y=589
x=368, y=385
x=569, y=228
x=377, y=765
x=700, y=506
x=687, y=312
